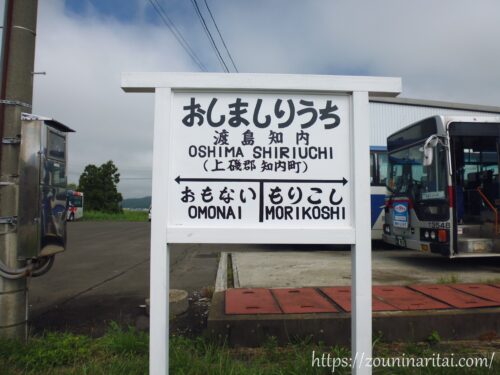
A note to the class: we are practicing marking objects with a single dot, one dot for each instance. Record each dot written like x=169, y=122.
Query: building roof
x=435, y=104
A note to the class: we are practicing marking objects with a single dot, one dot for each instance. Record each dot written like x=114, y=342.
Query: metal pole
x=17, y=88
x=4, y=8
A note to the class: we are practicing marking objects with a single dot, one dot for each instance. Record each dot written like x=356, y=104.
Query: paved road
x=104, y=275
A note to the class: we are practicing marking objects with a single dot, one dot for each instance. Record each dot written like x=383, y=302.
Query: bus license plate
x=401, y=241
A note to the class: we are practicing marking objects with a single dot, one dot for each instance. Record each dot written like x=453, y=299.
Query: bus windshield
x=408, y=176
x=76, y=201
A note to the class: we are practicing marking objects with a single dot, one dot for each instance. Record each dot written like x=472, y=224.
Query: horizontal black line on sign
x=343, y=181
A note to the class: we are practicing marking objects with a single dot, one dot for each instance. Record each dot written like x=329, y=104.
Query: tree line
x=99, y=186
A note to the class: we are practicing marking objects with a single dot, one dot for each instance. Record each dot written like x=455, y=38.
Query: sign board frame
x=165, y=86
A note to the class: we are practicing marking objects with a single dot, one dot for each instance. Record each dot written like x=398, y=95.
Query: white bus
x=378, y=181
x=74, y=205
x=444, y=186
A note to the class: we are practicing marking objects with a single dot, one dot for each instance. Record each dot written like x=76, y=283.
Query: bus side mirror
x=428, y=155
x=428, y=150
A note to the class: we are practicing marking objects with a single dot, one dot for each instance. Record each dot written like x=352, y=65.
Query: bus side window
x=372, y=168
x=382, y=168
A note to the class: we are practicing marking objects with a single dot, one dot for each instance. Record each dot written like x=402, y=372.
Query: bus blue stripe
x=377, y=205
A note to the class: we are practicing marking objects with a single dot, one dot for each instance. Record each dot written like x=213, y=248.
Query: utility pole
x=16, y=95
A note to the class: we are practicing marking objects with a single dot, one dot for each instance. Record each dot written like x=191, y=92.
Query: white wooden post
x=160, y=252
x=361, y=251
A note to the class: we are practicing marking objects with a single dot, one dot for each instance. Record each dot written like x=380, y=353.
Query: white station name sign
x=261, y=160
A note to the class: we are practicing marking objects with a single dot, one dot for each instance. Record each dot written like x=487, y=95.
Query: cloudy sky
x=444, y=50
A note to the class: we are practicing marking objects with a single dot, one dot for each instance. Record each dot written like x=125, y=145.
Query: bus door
x=378, y=181
x=476, y=183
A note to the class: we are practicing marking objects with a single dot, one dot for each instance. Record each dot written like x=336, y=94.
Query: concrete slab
x=453, y=297
x=323, y=300
x=221, y=278
x=480, y=290
x=250, y=301
x=317, y=267
x=302, y=301
x=405, y=299
x=291, y=269
x=334, y=328
x=342, y=297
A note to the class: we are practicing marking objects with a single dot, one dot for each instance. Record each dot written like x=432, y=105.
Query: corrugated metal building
x=390, y=114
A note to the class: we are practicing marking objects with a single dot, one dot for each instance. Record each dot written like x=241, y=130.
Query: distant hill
x=137, y=203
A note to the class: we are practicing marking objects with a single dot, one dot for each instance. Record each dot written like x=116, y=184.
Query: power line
x=177, y=34
x=221, y=38
x=207, y=31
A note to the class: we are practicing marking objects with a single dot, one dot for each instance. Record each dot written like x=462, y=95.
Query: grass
x=120, y=351
x=451, y=279
x=125, y=351
x=493, y=280
x=126, y=215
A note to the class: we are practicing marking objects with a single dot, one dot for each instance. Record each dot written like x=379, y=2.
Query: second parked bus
x=444, y=186
x=75, y=205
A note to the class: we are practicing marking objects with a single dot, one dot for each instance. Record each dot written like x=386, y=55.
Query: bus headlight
x=426, y=235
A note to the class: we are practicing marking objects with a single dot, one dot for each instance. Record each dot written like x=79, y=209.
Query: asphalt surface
x=104, y=276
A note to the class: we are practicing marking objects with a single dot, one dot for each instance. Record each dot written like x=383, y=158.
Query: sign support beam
x=160, y=249
x=361, y=251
